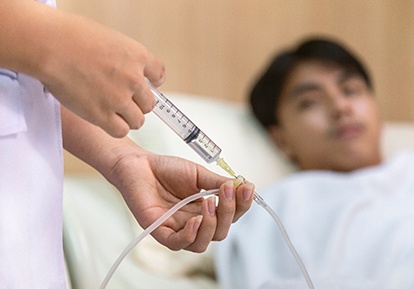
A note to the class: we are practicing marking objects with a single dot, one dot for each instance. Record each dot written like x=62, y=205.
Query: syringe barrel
x=205, y=147
x=184, y=127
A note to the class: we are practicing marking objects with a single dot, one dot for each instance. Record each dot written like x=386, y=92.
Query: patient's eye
x=353, y=86
x=351, y=90
x=307, y=102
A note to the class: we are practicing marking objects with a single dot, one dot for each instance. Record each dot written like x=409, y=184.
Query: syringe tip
x=222, y=164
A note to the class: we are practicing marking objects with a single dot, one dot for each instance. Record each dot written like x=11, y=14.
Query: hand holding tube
x=152, y=184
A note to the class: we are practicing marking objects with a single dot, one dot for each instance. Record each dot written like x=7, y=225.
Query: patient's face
x=328, y=119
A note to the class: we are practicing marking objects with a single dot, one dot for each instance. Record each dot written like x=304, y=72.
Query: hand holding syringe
x=209, y=152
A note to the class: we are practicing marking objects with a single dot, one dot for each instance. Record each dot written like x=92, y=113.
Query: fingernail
x=248, y=191
x=229, y=190
x=197, y=223
x=212, y=205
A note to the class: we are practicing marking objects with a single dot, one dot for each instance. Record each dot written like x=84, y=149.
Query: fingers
x=214, y=222
x=207, y=228
x=142, y=102
x=143, y=99
x=130, y=113
x=225, y=210
x=197, y=232
x=154, y=70
x=208, y=180
x=133, y=111
x=121, y=122
x=181, y=239
x=116, y=127
x=233, y=203
x=244, y=198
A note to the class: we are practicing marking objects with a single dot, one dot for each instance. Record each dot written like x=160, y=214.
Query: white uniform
x=352, y=230
x=31, y=185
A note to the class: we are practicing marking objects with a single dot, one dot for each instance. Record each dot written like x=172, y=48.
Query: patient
x=349, y=213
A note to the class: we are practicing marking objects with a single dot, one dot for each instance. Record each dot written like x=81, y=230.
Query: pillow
x=397, y=136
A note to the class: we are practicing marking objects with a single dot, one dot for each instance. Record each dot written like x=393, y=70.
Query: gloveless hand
x=94, y=71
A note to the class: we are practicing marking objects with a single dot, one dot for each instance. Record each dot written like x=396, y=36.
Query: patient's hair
x=267, y=89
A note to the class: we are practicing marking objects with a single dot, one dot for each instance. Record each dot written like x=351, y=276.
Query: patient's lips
x=349, y=131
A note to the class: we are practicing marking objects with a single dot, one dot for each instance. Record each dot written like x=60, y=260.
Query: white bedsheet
x=352, y=230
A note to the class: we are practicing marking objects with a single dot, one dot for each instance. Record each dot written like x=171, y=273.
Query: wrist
x=94, y=146
x=118, y=160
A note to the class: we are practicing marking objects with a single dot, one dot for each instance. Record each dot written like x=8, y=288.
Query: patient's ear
x=278, y=136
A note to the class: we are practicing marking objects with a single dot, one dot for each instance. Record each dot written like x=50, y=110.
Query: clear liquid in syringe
x=184, y=127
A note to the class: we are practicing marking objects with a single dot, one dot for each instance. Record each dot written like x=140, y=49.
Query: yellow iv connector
x=222, y=164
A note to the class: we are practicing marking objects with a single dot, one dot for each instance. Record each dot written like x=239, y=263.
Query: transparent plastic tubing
x=151, y=228
x=259, y=200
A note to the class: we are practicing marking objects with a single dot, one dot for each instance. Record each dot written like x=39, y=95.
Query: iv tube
x=151, y=228
x=260, y=201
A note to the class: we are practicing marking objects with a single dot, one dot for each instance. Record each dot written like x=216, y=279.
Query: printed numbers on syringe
x=176, y=119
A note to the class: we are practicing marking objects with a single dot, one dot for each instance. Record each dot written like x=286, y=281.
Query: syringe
x=188, y=131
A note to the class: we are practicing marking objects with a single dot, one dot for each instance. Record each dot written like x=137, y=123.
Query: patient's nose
x=340, y=106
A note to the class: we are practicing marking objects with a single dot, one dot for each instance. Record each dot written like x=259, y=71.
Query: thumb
x=208, y=180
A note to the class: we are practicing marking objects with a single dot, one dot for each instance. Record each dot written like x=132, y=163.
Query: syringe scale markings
x=184, y=128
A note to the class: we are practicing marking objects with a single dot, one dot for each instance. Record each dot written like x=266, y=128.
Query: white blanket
x=352, y=230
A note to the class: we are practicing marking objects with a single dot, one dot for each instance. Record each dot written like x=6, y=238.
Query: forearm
x=26, y=28
x=93, y=145
x=39, y=40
